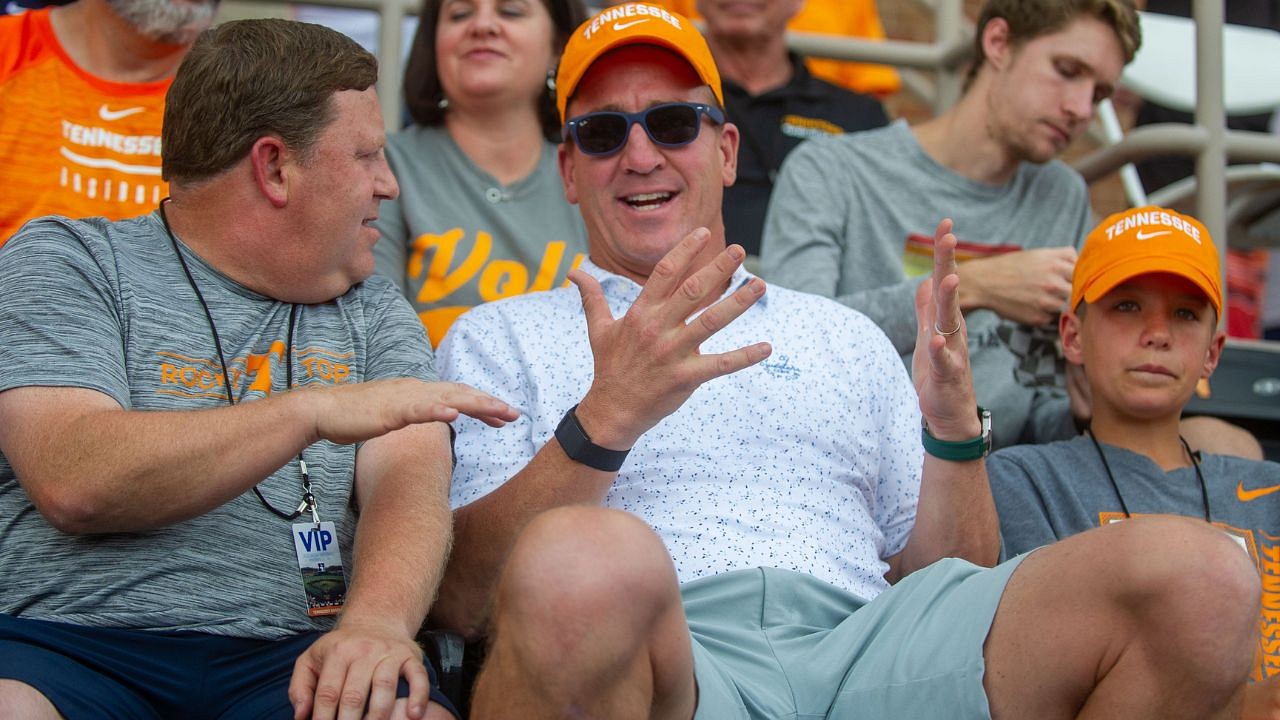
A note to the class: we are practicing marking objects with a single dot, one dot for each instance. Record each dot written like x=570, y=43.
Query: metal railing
x=944, y=59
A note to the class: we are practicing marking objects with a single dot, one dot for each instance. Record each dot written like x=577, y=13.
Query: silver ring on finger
x=944, y=333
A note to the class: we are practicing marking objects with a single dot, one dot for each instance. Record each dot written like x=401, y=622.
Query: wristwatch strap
x=959, y=450
x=578, y=446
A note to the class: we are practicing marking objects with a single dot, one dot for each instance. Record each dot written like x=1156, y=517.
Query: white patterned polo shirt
x=809, y=461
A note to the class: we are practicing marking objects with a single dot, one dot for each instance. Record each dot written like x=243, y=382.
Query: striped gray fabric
x=105, y=306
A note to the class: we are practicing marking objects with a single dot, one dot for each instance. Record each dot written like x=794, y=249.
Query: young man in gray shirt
x=851, y=216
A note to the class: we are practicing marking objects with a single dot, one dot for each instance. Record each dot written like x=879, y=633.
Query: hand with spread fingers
x=940, y=363
x=647, y=363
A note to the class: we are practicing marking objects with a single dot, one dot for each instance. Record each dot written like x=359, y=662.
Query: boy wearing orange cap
x=1145, y=301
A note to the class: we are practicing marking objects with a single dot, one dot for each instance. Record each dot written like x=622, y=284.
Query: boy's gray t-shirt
x=106, y=306
x=1045, y=493
x=1051, y=491
x=852, y=217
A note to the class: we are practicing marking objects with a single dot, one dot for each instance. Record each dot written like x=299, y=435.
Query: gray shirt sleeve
x=805, y=239
x=398, y=345
x=60, y=320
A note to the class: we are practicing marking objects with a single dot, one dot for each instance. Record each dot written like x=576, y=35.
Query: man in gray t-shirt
x=851, y=217
x=167, y=496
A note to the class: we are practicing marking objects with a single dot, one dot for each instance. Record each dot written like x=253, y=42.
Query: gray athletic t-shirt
x=456, y=237
x=105, y=306
x=1051, y=491
x=852, y=218
x=1048, y=492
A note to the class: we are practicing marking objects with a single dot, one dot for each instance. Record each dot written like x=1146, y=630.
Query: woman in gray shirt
x=481, y=213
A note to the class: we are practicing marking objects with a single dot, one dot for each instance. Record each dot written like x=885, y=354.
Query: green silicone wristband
x=959, y=450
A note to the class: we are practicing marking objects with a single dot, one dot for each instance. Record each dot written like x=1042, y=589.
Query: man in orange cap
x=1145, y=297
x=723, y=527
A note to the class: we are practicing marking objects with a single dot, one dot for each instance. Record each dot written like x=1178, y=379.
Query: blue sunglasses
x=669, y=125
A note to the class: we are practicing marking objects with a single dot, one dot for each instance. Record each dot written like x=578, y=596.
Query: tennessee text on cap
x=632, y=24
x=1146, y=240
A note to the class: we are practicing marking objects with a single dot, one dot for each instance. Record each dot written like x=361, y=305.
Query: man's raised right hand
x=647, y=363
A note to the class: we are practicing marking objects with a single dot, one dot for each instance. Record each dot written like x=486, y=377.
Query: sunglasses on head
x=668, y=125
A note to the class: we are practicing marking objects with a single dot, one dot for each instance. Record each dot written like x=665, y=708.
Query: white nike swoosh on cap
x=13, y=8
x=1147, y=236
x=108, y=114
x=619, y=27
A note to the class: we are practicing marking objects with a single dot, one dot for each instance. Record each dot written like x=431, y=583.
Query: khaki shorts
x=779, y=644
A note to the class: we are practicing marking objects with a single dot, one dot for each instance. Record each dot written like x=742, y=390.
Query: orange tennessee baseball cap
x=1146, y=240
x=632, y=24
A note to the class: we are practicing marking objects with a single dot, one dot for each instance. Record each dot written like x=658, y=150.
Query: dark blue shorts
x=132, y=674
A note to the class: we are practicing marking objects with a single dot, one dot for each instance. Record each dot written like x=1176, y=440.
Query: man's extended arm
x=90, y=466
x=92, y=463
x=402, y=541
x=646, y=365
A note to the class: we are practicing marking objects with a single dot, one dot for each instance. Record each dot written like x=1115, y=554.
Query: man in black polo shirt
x=774, y=101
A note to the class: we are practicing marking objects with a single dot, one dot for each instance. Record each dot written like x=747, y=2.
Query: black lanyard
x=308, y=499
x=1195, y=463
